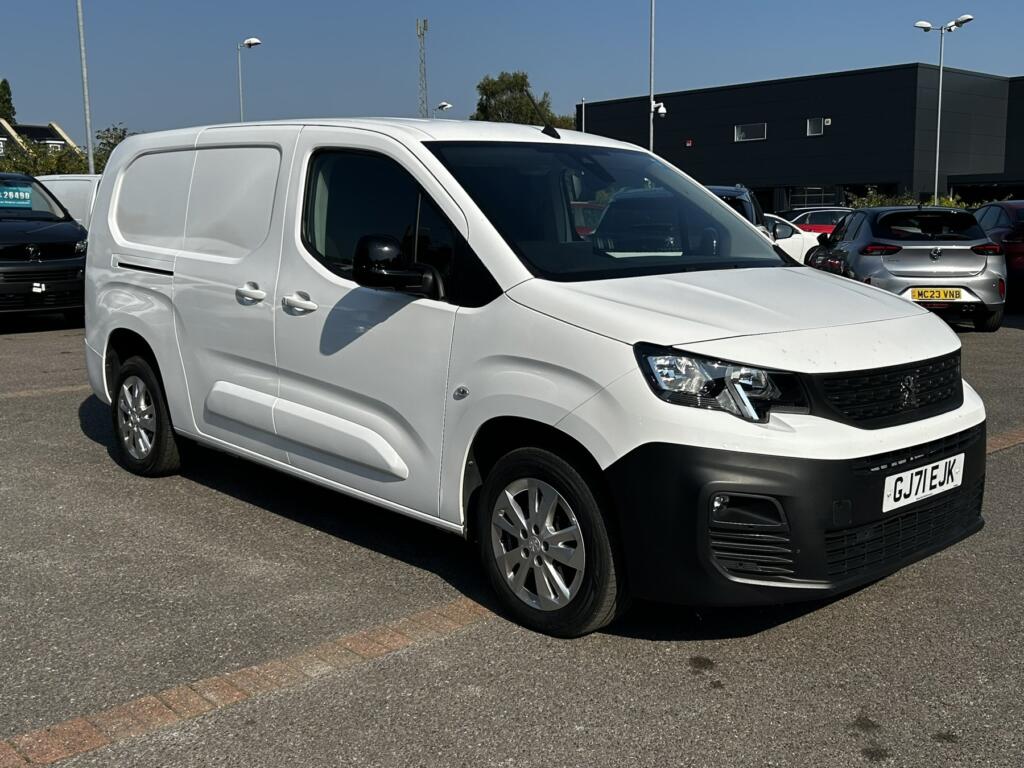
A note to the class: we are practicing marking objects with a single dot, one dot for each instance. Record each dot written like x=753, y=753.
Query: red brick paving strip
x=8, y=757
x=1005, y=440
x=149, y=713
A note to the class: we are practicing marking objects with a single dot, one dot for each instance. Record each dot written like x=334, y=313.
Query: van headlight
x=718, y=385
x=80, y=247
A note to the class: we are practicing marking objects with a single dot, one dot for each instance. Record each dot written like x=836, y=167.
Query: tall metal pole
x=241, y=103
x=938, y=120
x=583, y=116
x=85, y=89
x=421, y=33
x=650, y=106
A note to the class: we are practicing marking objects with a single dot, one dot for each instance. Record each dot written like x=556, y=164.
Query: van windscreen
x=643, y=217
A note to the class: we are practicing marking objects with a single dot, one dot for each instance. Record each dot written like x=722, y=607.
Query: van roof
x=420, y=130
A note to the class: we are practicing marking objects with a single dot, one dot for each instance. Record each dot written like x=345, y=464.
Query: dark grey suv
x=937, y=257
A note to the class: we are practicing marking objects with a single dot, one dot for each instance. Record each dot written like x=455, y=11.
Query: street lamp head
x=251, y=42
x=961, y=20
x=444, y=106
x=924, y=26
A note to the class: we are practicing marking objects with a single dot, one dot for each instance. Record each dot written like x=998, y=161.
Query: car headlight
x=80, y=247
x=718, y=385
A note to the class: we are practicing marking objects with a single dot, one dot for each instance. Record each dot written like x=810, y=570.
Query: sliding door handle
x=250, y=293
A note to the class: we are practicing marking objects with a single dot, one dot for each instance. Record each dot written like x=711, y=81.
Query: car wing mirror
x=824, y=240
x=380, y=263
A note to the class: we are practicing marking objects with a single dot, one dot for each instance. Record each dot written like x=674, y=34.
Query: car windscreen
x=26, y=199
x=650, y=219
x=927, y=225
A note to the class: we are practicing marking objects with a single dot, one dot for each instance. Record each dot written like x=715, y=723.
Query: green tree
x=107, y=140
x=7, y=110
x=504, y=99
x=38, y=161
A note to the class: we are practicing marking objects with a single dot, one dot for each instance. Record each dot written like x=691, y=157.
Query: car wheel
x=545, y=545
x=146, y=443
x=809, y=255
x=989, y=321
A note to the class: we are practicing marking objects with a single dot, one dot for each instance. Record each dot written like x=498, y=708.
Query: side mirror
x=824, y=240
x=380, y=263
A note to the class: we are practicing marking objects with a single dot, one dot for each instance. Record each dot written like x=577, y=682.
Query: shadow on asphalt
x=33, y=323
x=419, y=545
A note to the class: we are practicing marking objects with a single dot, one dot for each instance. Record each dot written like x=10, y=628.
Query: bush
x=873, y=199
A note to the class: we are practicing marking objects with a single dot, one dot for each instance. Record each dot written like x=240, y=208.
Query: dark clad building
x=813, y=140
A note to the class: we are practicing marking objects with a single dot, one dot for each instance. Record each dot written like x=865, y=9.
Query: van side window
x=351, y=194
x=151, y=202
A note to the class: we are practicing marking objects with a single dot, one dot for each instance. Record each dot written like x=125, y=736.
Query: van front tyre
x=144, y=437
x=545, y=545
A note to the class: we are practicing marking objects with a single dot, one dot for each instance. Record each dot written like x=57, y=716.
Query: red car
x=1003, y=222
x=817, y=219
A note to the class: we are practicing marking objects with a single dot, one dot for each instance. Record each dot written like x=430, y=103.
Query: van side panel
x=518, y=362
x=225, y=282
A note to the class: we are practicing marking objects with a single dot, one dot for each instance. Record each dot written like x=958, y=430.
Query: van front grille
x=889, y=396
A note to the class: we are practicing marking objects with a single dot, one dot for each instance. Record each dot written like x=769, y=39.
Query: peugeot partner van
x=665, y=407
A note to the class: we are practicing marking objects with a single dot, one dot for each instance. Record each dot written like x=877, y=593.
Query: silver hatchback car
x=937, y=257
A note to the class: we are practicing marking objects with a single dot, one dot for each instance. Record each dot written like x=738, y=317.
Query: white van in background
x=76, y=192
x=662, y=405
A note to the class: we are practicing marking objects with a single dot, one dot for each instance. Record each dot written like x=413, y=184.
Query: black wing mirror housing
x=380, y=263
x=824, y=239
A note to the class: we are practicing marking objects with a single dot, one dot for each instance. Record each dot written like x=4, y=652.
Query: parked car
x=744, y=202
x=1003, y=222
x=402, y=311
x=816, y=219
x=938, y=257
x=42, y=250
x=790, y=238
x=75, y=191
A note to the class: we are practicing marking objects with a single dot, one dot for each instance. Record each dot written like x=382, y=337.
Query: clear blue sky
x=157, y=65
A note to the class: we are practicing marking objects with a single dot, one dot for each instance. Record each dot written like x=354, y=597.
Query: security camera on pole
x=951, y=26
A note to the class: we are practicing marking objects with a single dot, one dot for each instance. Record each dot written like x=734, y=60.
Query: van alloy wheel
x=136, y=418
x=537, y=544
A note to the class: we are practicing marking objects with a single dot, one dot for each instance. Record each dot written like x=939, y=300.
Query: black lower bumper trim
x=832, y=536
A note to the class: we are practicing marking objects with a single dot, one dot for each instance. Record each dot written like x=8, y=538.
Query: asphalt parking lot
x=322, y=631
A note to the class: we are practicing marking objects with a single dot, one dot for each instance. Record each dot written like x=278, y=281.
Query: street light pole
x=938, y=119
x=650, y=117
x=85, y=89
x=952, y=26
x=249, y=42
x=583, y=116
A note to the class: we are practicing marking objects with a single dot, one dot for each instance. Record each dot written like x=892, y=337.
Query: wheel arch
x=123, y=343
x=502, y=434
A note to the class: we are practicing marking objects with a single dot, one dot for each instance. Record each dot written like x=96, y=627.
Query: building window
x=54, y=146
x=3, y=143
x=750, y=132
x=805, y=197
x=815, y=126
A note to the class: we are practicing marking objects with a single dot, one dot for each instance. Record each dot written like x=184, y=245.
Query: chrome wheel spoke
x=534, y=531
x=571, y=557
x=136, y=418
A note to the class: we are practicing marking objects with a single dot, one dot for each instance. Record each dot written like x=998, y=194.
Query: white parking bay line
x=44, y=391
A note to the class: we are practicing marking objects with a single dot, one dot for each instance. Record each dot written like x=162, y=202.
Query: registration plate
x=923, y=482
x=935, y=294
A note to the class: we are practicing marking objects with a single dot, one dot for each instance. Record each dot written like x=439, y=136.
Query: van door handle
x=250, y=293
x=300, y=301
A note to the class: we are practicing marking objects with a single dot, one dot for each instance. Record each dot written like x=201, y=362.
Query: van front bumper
x=831, y=535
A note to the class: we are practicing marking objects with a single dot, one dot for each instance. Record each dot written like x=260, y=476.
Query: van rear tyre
x=545, y=544
x=144, y=436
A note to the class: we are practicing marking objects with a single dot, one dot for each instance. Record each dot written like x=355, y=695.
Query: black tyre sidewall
x=163, y=458
x=989, y=322
x=590, y=608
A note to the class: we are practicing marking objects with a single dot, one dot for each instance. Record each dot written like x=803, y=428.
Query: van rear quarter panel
x=137, y=301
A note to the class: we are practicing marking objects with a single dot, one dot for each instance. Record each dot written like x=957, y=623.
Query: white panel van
x=552, y=343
